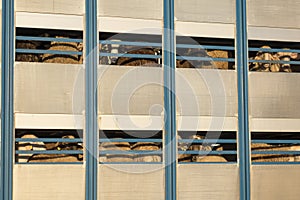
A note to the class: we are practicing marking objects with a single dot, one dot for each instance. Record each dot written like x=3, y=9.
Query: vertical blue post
x=169, y=100
x=243, y=115
x=7, y=86
x=91, y=127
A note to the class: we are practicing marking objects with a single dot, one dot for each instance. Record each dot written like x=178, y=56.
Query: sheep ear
x=294, y=55
x=279, y=54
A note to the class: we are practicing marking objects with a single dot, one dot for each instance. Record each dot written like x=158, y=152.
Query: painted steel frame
x=242, y=84
x=170, y=132
x=91, y=153
x=7, y=103
x=91, y=100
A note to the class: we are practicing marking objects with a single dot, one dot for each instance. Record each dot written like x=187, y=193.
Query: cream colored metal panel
x=208, y=181
x=131, y=182
x=47, y=88
x=274, y=34
x=139, y=91
x=140, y=9
x=275, y=182
x=133, y=122
x=35, y=6
x=54, y=21
x=205, y=11
x=46, y=121
x=206, y=123
x=274, y=124
x=129, y=25
x=130, y=90
x=276, y=13
x=75, y=7
x=44, y=182
x=274, y=95
x=206, y=92
x=205, y=29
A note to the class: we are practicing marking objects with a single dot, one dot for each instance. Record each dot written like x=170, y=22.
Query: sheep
x=54, y=158
x=220, y=54
x=267, y=66
x=204, y=147
x=286, y=56
x=27, y=57
x=272, y=67
x=118, y=146
x=149, y=146
x=28, y=146
x=59, y=157
x=183, y=147
x=129, y=61
x=31, y=44
x=193, y=52
x=63, y=46
x=274, y=157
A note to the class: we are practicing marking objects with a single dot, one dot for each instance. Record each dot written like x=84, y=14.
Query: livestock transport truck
x=161, y=99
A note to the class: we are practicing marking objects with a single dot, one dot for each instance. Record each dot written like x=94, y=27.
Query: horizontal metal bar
x=277, y=141
x=192, y=46
x=49, y=152
x=275, y=163
x=277, y=152
x=120, y=152
x=196, y=46
x=159, y=56
x=275, y=61
x=49, y=163
x=221, y=163
x=40, y=51
x=130, y=140
x=207, y=141
x=205, y=58
x=48, y=39
x=131, y=55
x=274, y=50
x=207, y=152
x=130, y=163
x=131, y=43
x=48, y=140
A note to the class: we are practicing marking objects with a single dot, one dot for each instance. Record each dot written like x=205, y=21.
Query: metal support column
x=91, y=126
x=243, y=115
x=7, y=86
x=169, y=100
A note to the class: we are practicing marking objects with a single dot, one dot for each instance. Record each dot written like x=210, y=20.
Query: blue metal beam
x=91, y=128
x=243, y=115
x=169, y=57
x=7, y=81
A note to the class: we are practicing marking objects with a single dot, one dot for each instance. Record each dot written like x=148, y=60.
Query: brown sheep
x=55, y=158
x=274, y=157
x=118, y=146
x=128, y=61
x=183, y=147
x=220, y=54
x=265, y=67
x=286, y=56
x=193, y=52
x=149, y=146
x=204, y=147
x=28, y=146
x=27, y=57
x=59, y=157
x=63, y=46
